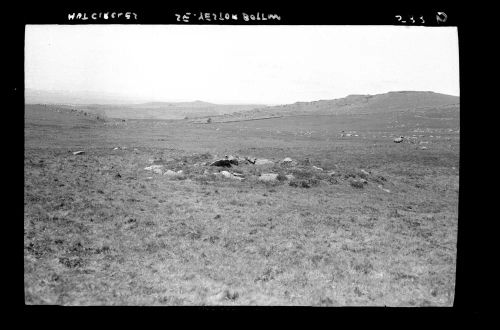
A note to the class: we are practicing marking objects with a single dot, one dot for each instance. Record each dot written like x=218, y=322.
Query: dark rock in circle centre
x=224, y=162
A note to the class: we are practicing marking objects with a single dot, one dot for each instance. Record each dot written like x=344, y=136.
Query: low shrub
x=302, y=174
x=379, y=179
x=308, y=183
x=281, y=177
x=333, y=180
x=357, y=184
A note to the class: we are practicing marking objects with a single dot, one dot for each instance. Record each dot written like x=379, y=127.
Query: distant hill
x=353, y=104
x=195, y=104
x=115, y=106
x=200, y=111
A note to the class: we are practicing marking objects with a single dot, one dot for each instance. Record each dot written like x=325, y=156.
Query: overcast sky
x=241, y=64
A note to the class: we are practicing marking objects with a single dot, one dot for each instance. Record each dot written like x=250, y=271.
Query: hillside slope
x=161, y=110
x=59, y=116
x=355, y=104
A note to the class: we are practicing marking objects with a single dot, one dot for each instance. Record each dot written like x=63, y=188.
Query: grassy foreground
x=101, y=230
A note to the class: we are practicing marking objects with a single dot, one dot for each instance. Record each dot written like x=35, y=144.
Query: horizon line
x=144, y=100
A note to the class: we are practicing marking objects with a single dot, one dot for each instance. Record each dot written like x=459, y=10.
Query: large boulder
x=398, y=140
x=222, y=163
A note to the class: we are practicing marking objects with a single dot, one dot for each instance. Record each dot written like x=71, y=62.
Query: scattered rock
x=287, y=161
x=317, y=168
x=399, y=139
x=80, y=152
x=289, y=177
x=358, y=183
x=263, y=161
x=231, y=175
x=170, y=173
x=251, y=160
x=382, y=188
x=364, y=172
x=158, y=169
x=116, y=148
x=268, y=177
x=423, y=148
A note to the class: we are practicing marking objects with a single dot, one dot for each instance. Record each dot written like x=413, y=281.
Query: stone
x=250, y=160
x=170, y=173
x=268, y=177
x=222, y=163
x=263, y=162
x=158, y=169
x=386, y=190
x=230, y=175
